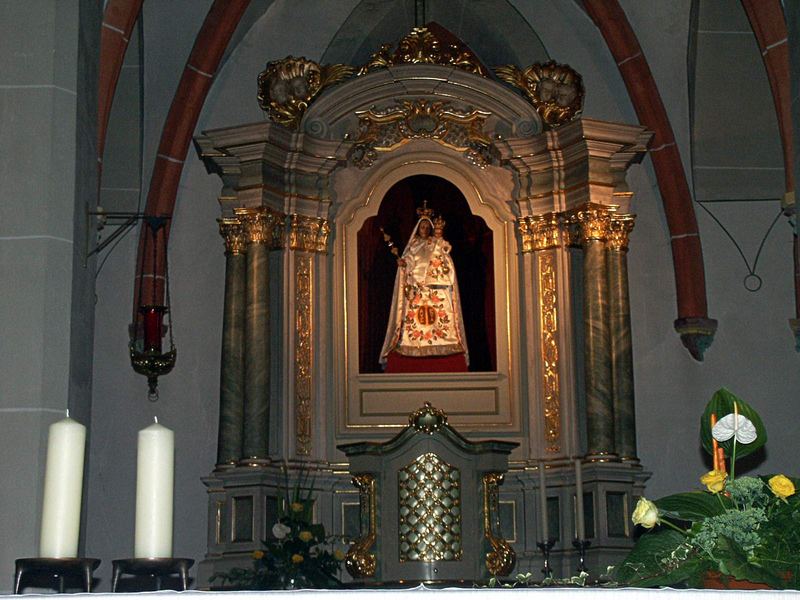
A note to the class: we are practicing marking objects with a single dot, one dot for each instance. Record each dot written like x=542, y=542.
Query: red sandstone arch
x=693, y=324
x=198, y=75
x=119, y=18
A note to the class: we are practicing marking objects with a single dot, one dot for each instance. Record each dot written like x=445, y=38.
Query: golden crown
x=424, y=211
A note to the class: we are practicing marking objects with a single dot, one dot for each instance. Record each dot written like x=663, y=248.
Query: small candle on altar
x=155, y=465
x=63, y=487
x=580, y=525
x=543, y=502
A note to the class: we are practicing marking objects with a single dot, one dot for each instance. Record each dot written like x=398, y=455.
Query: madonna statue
x=425, y=318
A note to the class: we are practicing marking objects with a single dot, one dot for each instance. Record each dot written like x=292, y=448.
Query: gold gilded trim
x=548, y=323
x=309, y=234
x=262, y=225
x=287, y=87
x=556, y=91
x=422, y=46
x=359, y=562
x=619, y=231
x=303, y=365
x=501, y=559
x=232, y=232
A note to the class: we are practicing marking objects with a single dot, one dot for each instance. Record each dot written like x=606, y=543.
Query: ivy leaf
x=643, y=567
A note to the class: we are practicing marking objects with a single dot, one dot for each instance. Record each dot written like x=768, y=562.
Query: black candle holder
x=581, y=546
x=151, y=567
x=545, y=547
x=59, y=568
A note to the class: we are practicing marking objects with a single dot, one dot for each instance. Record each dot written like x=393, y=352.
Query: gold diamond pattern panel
x=429, y=504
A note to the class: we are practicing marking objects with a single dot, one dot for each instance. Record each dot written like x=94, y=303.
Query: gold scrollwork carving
x=556, y=91
x=386, y=130
x=360, y=562
x=424, y=46
x=232, y=232
x=286, y=87
x=303, y=313
x=619, y=231
x=262, y=225
x=540, y=232
x=502, y=558
x=309, y=234
x=548, y=323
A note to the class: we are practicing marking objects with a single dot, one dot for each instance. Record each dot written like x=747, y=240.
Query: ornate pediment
x=288, y=87
x=386, y=130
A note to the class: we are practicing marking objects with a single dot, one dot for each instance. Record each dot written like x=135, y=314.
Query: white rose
x=280, y=531
x=645, y=514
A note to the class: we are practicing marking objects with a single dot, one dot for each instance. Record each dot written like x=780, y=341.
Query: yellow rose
x=338, y=554
x=297, y=558
x=781, y=486
x=714, y=481
x=645, y=514
x=258, y=554
x=296, y=506
x=305, y=536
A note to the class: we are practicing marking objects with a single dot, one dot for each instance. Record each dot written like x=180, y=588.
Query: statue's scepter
x=392, y=248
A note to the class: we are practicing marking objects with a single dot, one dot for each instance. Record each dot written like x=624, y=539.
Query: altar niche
x=472, y=254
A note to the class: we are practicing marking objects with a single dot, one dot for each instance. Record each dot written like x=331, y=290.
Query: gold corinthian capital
x=619, y=231
x=232, y=232
x=540, y=232
x=309, y=234
x=593, y=222
x=261, y=225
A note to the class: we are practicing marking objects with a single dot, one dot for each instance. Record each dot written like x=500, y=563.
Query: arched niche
x=472, y=242
x=477, y=399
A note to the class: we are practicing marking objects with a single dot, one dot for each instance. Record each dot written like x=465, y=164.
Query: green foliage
x=721, y=404
x=748, y=531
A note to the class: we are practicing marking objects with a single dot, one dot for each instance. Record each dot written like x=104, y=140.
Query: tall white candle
x=581, y=526
x=545, y=528
x=63, y=485
x=154, y=483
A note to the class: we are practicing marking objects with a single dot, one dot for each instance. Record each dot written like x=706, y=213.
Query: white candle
x=581, y=527
x=543, y=503
x=154, y=482
x=63, y=485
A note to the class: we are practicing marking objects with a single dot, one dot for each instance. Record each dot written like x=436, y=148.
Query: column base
x=697, y=334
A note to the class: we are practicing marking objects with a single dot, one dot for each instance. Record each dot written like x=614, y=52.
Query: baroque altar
x=538, y=215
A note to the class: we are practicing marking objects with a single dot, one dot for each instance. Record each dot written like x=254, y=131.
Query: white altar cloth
x=423, y=593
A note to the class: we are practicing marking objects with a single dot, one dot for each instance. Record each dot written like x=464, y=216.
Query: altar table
x=423, y=593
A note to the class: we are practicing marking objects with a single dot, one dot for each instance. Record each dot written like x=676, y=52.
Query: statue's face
x=424, y=229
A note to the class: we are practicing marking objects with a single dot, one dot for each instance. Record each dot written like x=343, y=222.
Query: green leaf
x=721, y=404
x=693, y=506
x=643, y=567
x=734, y=562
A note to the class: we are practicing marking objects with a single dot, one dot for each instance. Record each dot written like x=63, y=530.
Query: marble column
x=259, y=225
x=232, y=377
x=593, y=225
x=308, y=236
x=620, y=333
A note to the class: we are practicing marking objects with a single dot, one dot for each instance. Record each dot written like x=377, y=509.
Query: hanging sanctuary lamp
x=152, y=321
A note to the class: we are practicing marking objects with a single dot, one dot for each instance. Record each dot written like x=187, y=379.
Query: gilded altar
x=537, y=194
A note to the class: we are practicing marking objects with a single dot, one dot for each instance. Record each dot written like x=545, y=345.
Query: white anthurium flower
x=280, y=531
x=736, y=425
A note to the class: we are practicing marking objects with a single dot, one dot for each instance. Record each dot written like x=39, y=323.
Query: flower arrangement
x=299, y=555
x=745, y=528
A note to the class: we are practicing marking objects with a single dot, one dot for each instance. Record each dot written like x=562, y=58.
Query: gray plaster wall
x=753, y=353
x=47, y=127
